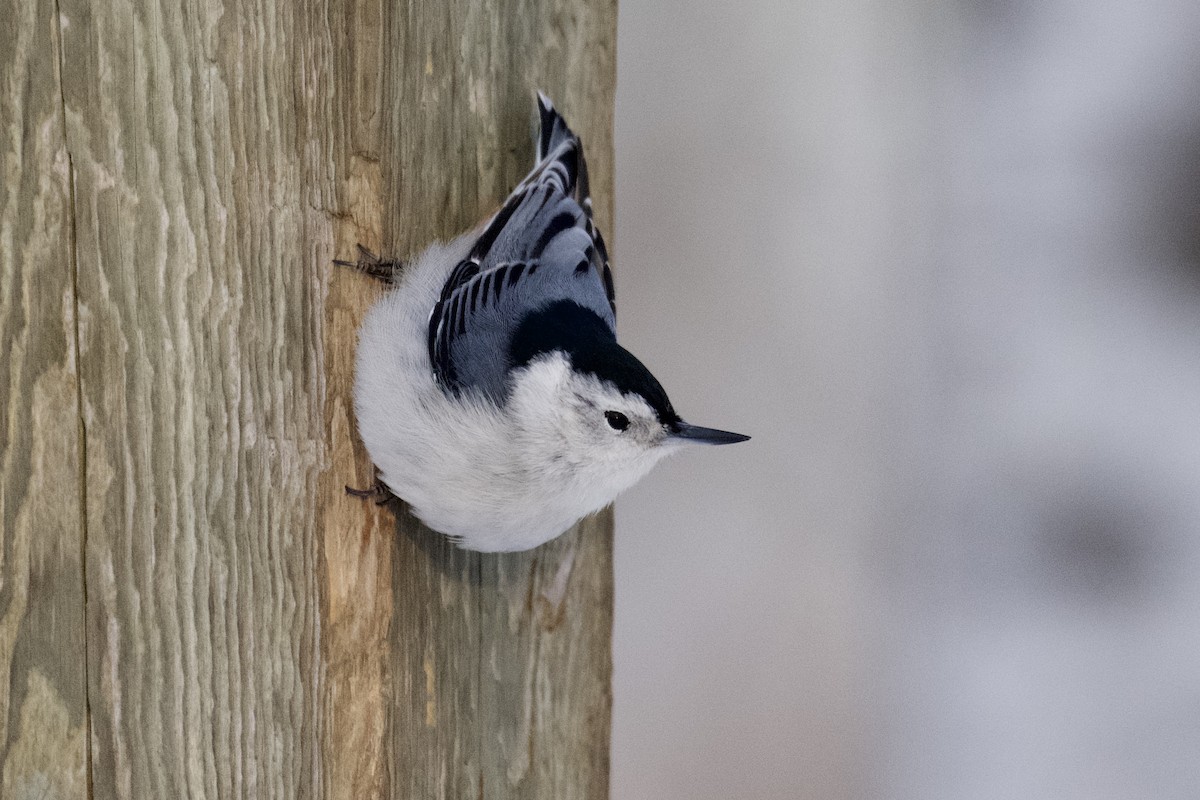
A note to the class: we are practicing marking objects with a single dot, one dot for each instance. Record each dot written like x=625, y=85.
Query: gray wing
x=540, y=248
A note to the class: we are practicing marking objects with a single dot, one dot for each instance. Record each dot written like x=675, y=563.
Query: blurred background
x=942, y=261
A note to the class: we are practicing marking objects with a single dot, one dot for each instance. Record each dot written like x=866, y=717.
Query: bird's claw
x=384, y=269
x=378, y=492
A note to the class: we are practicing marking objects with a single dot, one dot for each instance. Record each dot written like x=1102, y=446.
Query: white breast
x=460, y=464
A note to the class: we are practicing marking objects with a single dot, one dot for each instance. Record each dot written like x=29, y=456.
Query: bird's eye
x=616, y=420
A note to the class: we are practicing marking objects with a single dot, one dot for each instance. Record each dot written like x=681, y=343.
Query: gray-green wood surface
x=190, y=606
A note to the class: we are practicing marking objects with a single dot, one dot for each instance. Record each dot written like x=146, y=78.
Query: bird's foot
x=379, y=492
x=384, y=269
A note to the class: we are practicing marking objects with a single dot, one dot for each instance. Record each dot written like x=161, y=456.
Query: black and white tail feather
x=540, y=247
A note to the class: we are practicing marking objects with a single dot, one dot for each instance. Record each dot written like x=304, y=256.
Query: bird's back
x=541, y=248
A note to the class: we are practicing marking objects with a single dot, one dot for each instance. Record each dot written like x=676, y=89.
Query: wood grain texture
x=200, y=364
x=43, y=701
x=501, y=684
x=251, y=631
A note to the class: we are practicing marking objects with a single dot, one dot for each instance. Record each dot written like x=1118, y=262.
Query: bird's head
x=596, y=411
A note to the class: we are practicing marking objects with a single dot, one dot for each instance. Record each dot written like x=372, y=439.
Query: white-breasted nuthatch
x=490, y=390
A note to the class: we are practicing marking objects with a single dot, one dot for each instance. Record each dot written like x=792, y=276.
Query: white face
x=587, y=423
x=603, y=418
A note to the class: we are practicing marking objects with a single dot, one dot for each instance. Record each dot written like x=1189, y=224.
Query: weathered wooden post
x=189, y=604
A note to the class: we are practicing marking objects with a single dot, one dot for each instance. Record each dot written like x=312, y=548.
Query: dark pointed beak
x=694, y=433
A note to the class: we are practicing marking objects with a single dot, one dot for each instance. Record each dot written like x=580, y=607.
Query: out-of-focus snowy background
x=942, y=261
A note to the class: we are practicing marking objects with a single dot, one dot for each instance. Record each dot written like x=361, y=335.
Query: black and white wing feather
x=541, y=248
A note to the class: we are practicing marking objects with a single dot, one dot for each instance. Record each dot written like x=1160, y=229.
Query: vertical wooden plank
x=200, y=362
x=358, y=542
x=546, y=616
x=514, y=656
x=43, y=701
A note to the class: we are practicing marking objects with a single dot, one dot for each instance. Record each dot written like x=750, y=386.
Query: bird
x=490, y=391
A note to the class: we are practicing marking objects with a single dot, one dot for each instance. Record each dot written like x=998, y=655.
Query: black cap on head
x=590, y=344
